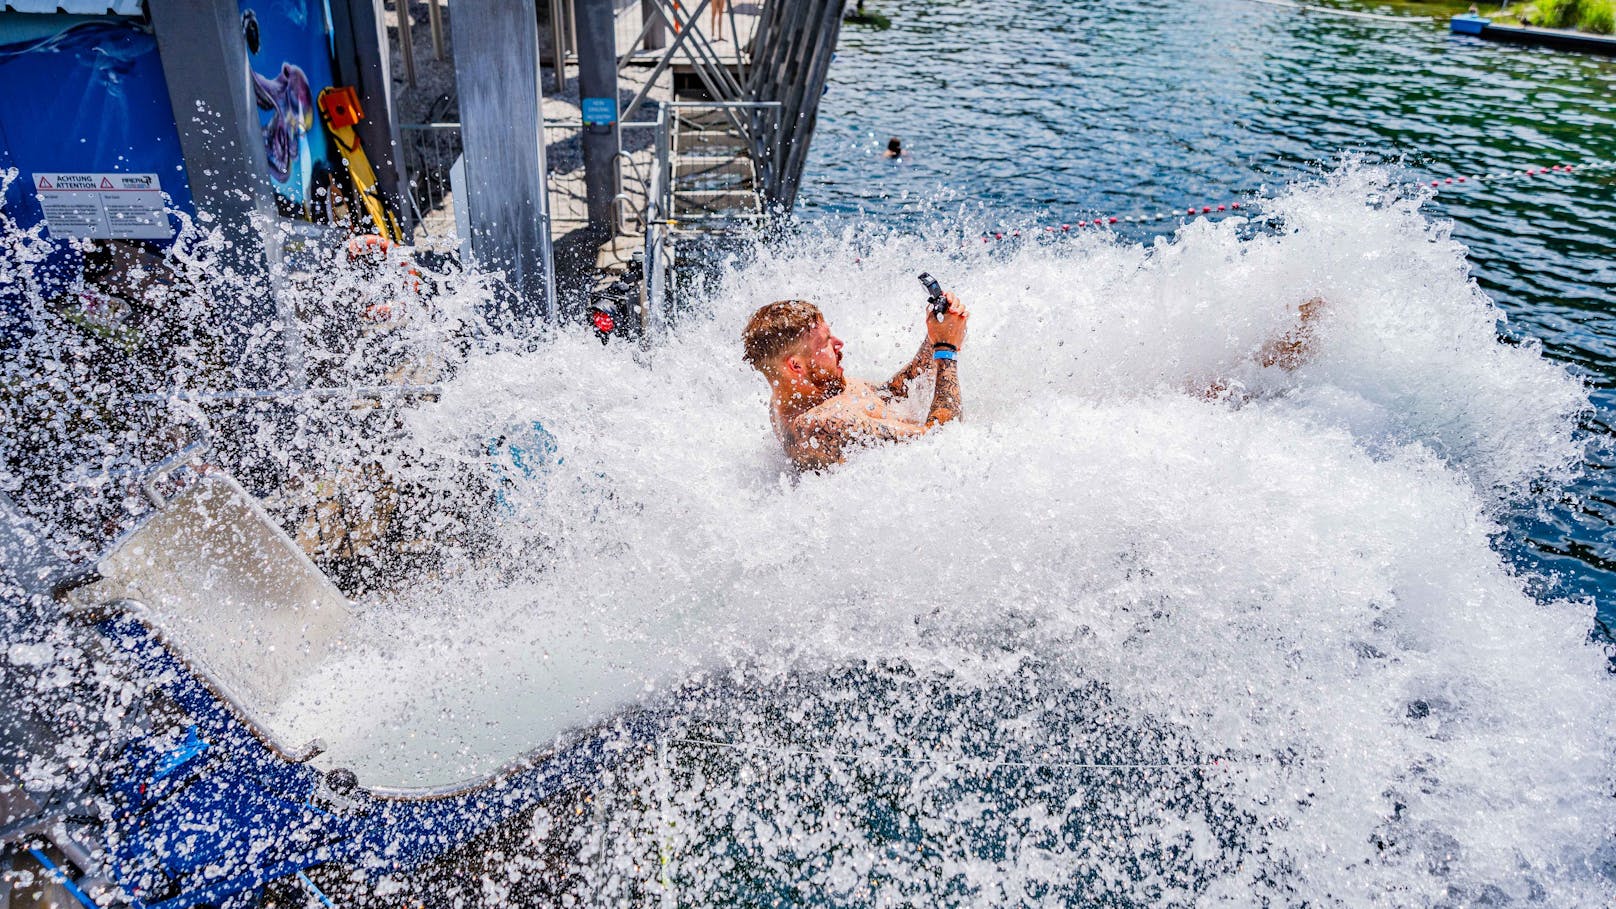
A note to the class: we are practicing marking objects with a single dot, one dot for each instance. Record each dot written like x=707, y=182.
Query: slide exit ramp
x=213, y=614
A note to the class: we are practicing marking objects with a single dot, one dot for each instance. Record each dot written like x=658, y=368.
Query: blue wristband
x=941, y=354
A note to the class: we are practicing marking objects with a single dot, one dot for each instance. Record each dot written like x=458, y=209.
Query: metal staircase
x=714, y=180
x=730, y=148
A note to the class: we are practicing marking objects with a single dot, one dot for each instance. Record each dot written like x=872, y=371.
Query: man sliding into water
x=819, y=413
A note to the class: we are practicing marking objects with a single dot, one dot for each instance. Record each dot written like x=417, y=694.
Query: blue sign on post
x=600, y=111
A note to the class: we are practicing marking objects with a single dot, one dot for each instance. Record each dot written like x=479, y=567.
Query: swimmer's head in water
x=894, y=146
x=790, y=340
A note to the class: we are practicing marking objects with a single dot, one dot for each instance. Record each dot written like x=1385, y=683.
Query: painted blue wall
x=81, y=94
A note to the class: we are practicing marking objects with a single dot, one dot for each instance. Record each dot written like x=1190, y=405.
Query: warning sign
x=103, y=206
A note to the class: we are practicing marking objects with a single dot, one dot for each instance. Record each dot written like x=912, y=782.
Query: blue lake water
x=1045, y=112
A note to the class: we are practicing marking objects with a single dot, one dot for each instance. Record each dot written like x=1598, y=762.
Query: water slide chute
x=214, y=615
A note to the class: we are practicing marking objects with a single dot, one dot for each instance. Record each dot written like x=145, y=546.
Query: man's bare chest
x=857, y=400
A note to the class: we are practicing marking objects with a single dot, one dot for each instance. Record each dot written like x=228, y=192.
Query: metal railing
x=639, y=154
x=564, y=166
x=655, y=299
x=642, y=160
x=660, y=189
x=633, y=29
x=431, y=151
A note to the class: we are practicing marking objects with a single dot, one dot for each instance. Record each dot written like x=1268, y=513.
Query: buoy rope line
x=1502, y=176
x=1345, y=13
x=976, y=763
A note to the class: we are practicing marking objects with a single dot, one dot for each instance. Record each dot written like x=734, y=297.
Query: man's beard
x=830, y=384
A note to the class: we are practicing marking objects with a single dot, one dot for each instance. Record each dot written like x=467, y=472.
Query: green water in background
x=1048, y=111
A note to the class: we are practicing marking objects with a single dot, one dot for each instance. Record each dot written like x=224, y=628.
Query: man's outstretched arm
x=945, y=335
x=949, y=331
x=825, y=441
x=1295, y=347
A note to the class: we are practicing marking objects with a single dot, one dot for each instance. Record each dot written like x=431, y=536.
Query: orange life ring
x=375, y=248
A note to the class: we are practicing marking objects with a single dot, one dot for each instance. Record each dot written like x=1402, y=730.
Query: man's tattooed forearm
x=945, y=405
x=900, y=382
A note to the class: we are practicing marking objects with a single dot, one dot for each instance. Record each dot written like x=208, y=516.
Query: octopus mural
x=286, y=135
x=289, y=54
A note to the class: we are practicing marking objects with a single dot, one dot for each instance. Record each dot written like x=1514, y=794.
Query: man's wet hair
x=775, y=327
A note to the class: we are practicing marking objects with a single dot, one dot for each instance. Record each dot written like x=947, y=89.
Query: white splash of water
x=1300, y=580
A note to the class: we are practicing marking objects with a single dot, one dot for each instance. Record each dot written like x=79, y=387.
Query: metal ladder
x=713, y=178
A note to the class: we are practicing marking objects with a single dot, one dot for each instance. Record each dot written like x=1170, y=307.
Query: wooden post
x=656, y=37
x=435, y=16
x=406, y=43
x=558, y=43
x=812, y=89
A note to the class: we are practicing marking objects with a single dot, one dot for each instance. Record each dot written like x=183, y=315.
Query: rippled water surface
x=1042, y=112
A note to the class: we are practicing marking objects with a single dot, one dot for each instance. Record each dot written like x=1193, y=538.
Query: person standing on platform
x=718, y=20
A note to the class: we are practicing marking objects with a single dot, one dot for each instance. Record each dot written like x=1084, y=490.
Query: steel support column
x=210, y=89
x=597, y=89
x=496, y=54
